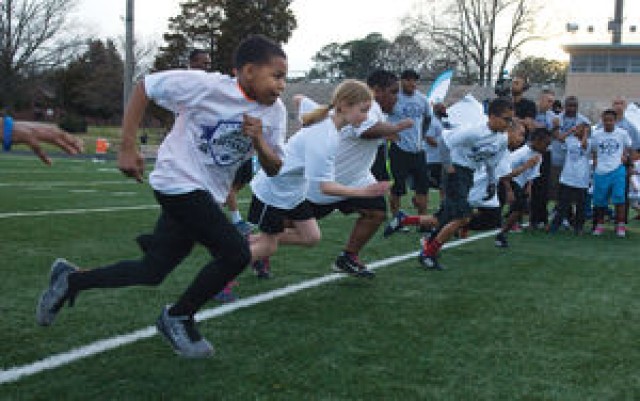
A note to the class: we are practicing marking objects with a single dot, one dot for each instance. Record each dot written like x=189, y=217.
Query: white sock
x=235, y=216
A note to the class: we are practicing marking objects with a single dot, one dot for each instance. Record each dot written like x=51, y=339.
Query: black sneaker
x=501, y=241
x=56, y=294
x=262, y=268
x=183, y=336
x=352, y=266
x=430, y=262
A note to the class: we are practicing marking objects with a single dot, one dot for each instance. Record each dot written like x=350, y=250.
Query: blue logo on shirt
x=483, y=152
x=224, y=142
x=609, y=146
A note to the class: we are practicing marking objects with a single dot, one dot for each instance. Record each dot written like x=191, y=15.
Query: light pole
x=128, y=58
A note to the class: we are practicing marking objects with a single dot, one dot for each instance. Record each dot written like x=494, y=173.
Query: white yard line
x=55, y=361
x=65, y=183
x=39, y=213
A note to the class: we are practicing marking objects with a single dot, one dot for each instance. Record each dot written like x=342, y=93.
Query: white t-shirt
x=558, y=150
x=609, y=147
x=576, y=171
x=432, y=153
x=478, y=191
x=309, y=156
x=354, y=157
x=206, y=145
x=476, y=146
x=519, y=157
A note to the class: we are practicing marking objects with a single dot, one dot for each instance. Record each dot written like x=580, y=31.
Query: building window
x=619, y=64
x=579, y=63
x=599, y=63
x=634, y=64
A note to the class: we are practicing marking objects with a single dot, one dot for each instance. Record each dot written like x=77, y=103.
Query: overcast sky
x=324, y=21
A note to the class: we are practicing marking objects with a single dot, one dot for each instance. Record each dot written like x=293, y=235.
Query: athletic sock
x=432, y=247
x=410, y=221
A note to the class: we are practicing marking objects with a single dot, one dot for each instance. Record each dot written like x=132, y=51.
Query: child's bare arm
x=130, y=161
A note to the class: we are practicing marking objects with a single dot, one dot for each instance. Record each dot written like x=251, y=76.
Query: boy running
x=221, y=122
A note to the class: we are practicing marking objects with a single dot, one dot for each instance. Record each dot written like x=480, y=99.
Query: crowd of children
x=330, y=164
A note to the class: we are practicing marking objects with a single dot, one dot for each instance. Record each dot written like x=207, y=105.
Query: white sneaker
x=621, y=231
x=183, y=336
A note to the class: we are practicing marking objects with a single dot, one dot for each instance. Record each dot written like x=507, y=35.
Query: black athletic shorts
x=456, y=203
x=350, y=205
x=521, y=200
x=244, y=174
x=405, y=165
x=486, y=218
x=270, y=219
x=434, y=174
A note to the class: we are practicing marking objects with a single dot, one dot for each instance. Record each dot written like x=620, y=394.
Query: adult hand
x=33, y=134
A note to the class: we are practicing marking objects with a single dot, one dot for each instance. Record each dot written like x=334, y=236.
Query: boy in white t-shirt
x=574, y=179
x=611, y=146
x=221, y=122
x=518, y=185
x=463, y=152
x=487, y=213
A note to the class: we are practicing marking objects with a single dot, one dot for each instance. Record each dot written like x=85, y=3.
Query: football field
x=550, y=318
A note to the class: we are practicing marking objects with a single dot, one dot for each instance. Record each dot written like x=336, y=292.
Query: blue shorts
x=612, y=184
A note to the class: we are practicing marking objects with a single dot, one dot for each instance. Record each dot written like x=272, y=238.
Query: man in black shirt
x=523, y=108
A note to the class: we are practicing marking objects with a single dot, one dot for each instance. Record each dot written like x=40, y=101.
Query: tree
x=34, y=35
x=273, y=18
x=542, y=71
x=354, y=59
x=328, y=62
x=363, y=55
x=197, y=26
x=405, y=52
x=143, y=55
x=91, y=85
x=218, y=26
x=481, y=35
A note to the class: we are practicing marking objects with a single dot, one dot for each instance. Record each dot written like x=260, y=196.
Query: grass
x=551, y=318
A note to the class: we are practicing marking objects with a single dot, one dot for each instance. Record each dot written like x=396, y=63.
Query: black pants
x=185, y=219
x=540, y=192
x=568, y=196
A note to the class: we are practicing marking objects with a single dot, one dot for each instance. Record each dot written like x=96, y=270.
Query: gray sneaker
x=183, y=336
x=53, y=297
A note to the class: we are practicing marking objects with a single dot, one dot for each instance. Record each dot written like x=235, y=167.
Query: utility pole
x=615, y=26
x=128, y=58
